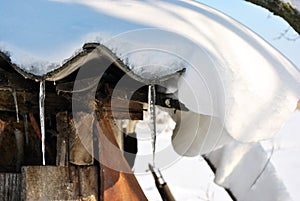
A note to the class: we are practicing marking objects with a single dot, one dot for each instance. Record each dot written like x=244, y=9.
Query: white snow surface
x=196, y=134
x=246, y=170
x=182, y=174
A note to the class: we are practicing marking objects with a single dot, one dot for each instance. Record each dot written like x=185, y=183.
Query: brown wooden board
x=42, y=183
x=118, y=182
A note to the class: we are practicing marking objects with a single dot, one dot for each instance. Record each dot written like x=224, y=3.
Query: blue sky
x=44, y=27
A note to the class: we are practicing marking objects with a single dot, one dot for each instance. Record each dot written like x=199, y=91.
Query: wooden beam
x=107, y=92
x=62, y=151
x=118, y=182
x=117, y=108
x=29, y=102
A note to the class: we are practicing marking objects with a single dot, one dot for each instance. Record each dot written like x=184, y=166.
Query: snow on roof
x=294, y=3
x=231, y=74
x=143, y=73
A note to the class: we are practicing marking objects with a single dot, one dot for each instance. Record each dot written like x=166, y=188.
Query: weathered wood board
x=10, y=187
x=42, y=183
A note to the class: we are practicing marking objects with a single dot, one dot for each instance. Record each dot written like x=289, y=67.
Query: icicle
x=152, y=117
x=16, y=104
x=42, y=116
x=25, y=117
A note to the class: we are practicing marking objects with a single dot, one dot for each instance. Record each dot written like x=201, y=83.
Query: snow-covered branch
x=285, y=10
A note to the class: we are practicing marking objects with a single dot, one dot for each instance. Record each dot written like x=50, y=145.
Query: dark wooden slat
x=28, y=102
x=62, y=127
x=16, y=81
x=10, y=188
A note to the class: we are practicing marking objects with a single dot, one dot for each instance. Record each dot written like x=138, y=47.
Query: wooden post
x=117, y=184
x=62, y=127
x=75, y=141
x=81, y=139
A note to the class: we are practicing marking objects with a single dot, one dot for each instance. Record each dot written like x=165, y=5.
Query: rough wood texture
x=19, y=148
x=62, y=127
x=75, y=140
x=26, y=94
x=118, y=183
x=10, y=187
x=123, y=109
x=81, y=148
x=282, y=9
x=141, y=96
x=11, y=143
x=41, y=183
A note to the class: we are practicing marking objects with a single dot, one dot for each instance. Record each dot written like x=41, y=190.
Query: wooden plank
x=75, y=140
x=88, y=180
x=118, y=183
x=117, y=108
x=19, y=136
x=28, y=102
x=11, y=146
x=81, y=148
x=59, y=183
x=14, y=80
x=10, y=188
x=132, y=98
x=62, y=127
